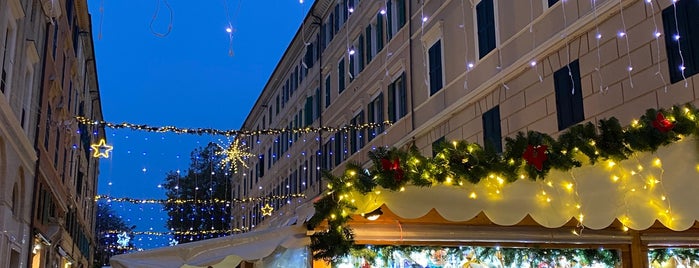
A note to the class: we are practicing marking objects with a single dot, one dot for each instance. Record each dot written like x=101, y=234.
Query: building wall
x=64, y=213
x=532, y=41
x=20, y=42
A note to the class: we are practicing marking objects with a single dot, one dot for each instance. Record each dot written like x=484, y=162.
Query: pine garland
x=462, y=162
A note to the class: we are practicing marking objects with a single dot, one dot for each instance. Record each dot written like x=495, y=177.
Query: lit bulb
x=351, y=9
x=630, y=68
x=382, y=12
x=532, y=63
x=598, y=36
x=622, y=34
x=229, y=30
x=470, y=65
x=351, y=52
x=676, y=37
x=424, y=19
x=657, y=34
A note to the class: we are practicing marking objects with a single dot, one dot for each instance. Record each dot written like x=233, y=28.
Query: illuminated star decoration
x=267, y=210
x=101, y=149
x=173, y=242
x=123, y=240
x=234, y=154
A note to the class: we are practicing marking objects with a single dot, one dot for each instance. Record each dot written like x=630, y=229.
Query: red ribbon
x=536, y=156
x=662, y=124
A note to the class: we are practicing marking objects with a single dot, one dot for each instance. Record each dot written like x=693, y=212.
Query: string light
x=197, y=201
x=623, y=34
x=242, y=132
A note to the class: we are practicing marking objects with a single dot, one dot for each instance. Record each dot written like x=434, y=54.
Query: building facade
x=442, y=70
x=20, y=67
x=66, y=179
x=48, y=174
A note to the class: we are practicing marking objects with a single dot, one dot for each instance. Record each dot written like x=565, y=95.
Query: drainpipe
x=410, y=69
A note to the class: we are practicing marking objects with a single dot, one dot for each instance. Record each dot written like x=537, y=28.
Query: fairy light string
x=656, y=35
x=242, y=132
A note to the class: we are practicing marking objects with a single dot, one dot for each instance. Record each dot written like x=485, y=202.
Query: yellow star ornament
x=267, y=210
x=101, y=149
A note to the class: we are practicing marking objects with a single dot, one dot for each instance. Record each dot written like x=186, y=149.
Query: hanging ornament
x=267, y=210
x=235, y=153
x=662, y=124
x=393, y=166
x=101, y=149
x=536, y=156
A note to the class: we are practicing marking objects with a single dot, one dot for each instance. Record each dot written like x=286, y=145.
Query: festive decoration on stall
x=101, y=149
x=198, y=201
x=267, y=210
x=535, y=156
x=242, y=132
x=235, y=153
x=662, y=124
x=435, y=256
x=526, y=156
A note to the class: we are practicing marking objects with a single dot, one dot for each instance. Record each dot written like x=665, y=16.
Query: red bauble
x=662, y=124
x=393, y=166
x=536, y=156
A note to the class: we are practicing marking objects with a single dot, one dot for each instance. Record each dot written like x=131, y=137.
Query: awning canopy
x=219, y=252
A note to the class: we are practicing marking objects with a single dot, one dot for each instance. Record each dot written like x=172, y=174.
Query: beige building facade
x=443, y=70
x=47, y=173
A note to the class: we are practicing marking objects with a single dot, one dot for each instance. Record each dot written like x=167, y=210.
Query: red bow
x=662, y=124
x=393, y=166
x=536, y=156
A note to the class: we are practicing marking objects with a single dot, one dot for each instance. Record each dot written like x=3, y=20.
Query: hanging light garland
x=186, y=233
x=213, y=131
x=197, y=201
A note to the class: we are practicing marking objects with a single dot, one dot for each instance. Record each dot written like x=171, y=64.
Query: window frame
x=496, y=26
x=567, y=111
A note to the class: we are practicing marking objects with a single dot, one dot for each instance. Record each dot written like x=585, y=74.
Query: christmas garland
x=526, y=156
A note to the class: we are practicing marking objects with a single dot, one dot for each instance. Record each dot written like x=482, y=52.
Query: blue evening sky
x=185, y=78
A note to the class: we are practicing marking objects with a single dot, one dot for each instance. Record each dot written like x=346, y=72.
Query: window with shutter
x=682, y=39
x=485, y=14
x=569, y=103
x=435, y=67
x=492, y=135
x=341, y=76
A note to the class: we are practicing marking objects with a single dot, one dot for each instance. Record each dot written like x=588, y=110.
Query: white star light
x=123, y=240
x=235, y=153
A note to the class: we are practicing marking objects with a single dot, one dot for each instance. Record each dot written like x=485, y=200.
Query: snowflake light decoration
x=123, y=239
x=235, y=153
x=173, y=242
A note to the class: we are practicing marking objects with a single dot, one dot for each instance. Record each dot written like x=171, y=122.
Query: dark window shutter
x=379, y=112
x=389, y=21
x=401, y=13
x=492, y=135
x=341, y=76
x=338, y=148
x=379, y=33
x=403, y=97
x=337, y=18
x=360, y=53
x=392, y=102
x=435, y=67
x=371, y=116
x=569, y=103
x=351, y=59
x=688, y=42
x=308, y=111
x=486, y=27
x=368, y=44
x=552, y=2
